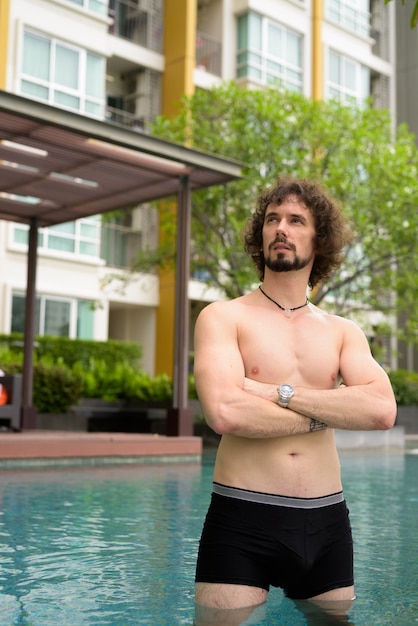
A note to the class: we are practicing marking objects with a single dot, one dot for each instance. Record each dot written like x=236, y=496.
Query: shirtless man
x=268, y=368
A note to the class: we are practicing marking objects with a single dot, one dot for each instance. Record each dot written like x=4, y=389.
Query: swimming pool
x=117, y=545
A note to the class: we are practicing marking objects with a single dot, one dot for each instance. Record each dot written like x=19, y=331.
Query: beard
x=282, y=264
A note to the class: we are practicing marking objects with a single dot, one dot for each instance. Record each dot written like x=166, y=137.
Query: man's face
x=288, y=236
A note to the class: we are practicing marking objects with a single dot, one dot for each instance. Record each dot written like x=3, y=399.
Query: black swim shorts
x=303, y=545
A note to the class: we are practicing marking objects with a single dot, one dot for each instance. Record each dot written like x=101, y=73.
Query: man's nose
x=281, y=226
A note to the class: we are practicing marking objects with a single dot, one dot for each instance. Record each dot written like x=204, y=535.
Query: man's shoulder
x=229, y=305
x=343, y=324
x=224, y=309
x=334, y=320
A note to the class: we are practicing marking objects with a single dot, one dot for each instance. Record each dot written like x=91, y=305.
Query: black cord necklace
x=286, y=310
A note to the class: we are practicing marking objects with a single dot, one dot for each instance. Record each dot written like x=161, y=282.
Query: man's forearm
x=359, y=407
x=246, y=415
x=350, y=408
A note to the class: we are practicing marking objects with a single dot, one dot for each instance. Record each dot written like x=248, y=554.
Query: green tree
x=351, y=150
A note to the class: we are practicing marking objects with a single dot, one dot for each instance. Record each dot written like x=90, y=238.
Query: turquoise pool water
x=117, y=545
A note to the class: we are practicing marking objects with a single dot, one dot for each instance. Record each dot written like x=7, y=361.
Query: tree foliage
x=367, y=167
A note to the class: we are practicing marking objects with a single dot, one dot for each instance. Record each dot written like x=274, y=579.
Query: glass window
x=63, y=75
x=59, y=243
x=56, y=318
x=348, y=80
x=66, y=66
x=90, y=229
x=274, y=40
x=255, y=26
x=37, y=91
x=268, y=52
x=20, y=235
x=67, y=101
x=85, y=319
x=350, y=75
x=79, y=237
x=294, y=49
x=36, y=53
x=59, y=317
x=334, y=68
x=352, y=14
x=18, y=314
x=94, y=76
x=242, y=32
x=93, y=109
x=96, y=6
x=67, y=227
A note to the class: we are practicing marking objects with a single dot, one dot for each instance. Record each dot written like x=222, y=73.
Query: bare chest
x=303, y=349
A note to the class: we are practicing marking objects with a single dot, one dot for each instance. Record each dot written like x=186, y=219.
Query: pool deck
x=35, y=448
x=39, y=447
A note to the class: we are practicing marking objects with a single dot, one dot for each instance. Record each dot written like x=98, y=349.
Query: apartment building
x=126, y=61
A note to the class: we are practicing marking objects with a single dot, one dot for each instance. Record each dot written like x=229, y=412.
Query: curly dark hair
x=332, y=230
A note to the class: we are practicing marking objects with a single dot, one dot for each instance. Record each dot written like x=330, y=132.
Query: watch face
x=286, y=390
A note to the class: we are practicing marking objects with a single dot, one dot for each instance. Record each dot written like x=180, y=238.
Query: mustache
x=280, y=239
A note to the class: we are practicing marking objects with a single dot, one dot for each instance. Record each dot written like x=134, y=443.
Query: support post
x=28, y=412
x=180, y=416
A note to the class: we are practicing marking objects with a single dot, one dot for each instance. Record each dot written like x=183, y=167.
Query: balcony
x=208, y=54
x=139, y=22
x=123, y=118
x=120, y=245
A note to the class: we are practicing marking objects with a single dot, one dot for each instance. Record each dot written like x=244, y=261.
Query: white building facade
x=107, y=59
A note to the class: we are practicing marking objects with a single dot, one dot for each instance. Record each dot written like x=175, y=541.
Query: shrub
x=192, y=388
x=66, y=370
x=70, y=351
x=55, y=388
x=405, y=386
x=122, y=381
x=10, y=362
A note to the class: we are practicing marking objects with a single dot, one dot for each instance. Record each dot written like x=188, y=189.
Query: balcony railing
x=208, y=54
x=118, y=116
x=137, y=22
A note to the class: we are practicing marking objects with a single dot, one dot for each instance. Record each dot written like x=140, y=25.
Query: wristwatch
x=286, y=392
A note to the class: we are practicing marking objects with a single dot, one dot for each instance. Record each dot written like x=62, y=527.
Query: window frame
x=350, y=15
x=86, y=101
x=75, y=309
x=344, y=93
x=45, y=234
x=265, y=74
x=86, y=5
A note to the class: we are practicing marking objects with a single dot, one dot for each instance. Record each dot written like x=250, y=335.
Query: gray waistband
x=270, y=498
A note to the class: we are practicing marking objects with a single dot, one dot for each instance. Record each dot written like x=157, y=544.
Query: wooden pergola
x=57, y=166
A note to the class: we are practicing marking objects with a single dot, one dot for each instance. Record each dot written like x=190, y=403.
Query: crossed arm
x=236, y=405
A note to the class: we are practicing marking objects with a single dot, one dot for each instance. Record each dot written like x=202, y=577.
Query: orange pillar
x=317, y=50
x=180, y=19
x=4, y=40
